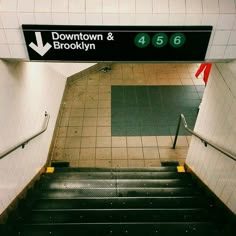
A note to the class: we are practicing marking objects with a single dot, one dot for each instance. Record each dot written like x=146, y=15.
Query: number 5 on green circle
x=177, y=40
x=142, y=40
x=159, y=40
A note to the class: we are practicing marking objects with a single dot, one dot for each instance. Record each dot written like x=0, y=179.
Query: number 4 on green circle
x=142, y=40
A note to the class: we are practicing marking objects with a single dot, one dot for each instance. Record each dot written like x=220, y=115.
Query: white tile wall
x=161, y=19
x=76, y=19
x=25, y=6
x=144, y=19
x=232, y=202
x=14, y=36
x=217, y=52
x=60, y=18
x=42, y=6
x=93, y=6
x=8, y=6
x=9, y=20
x=210, y=19
x=24, y=96
x=94, y=19
x=226, y=21
x=215, y=169
x=210, y=6
x=234, y=27
x=77, y=6
x=26, y=18
x=221, y=14
x=221, y=37
x=193, y=6
x=127, y=6
x=3, y=39
x=60, y=6
x=17, y=51
x=230, y=52
x=43, y=18
x=143, y=6
x=110, y=19
x=232, y=38
x=177, y=6
x=110, y=6
x=127, y=19
x=160, y=6
x=69, y=69
x=4, y=51
x=1, y=25
x=227, y=6
x=177, y=19
x=193, y=19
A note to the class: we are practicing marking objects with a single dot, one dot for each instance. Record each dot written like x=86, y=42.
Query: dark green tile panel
x=153, y=110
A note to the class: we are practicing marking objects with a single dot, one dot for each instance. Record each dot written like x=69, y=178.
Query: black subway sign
x=116, y=43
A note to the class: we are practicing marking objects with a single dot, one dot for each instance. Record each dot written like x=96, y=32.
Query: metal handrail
x=23, y=143
x=205, y=141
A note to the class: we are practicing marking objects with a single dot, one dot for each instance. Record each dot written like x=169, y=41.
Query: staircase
x=129, y=202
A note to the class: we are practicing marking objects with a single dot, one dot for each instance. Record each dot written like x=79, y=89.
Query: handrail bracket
x=25, y=142
x=203, y=140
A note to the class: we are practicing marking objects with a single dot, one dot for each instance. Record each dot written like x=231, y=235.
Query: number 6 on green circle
x=177, y=40
x=142, y=40
x=159, y=40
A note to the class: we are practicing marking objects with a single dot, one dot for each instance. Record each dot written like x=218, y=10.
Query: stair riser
x=122, y=203
x=150, y=169
x=114, y=215
x=114, y=192
x=116, y=175
x=167, y=229
x=114, y=183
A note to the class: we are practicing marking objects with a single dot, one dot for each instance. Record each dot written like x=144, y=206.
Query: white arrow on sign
x=39, y=48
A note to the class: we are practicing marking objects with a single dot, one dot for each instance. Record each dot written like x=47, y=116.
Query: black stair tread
x=119, y=183
x=117, y=192
x=127, y=169
x=133, y=229
x=115, y=201
x=117, y=215
x=116, y=175
x=123, y=202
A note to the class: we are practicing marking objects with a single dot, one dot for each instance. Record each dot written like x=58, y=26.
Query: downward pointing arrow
x=39, y=48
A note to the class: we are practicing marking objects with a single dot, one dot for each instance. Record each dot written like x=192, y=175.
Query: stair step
x=119, y=183
x=122, y=202
x=86, y=169
x=131, y=229
x=109, y=201
x=115, y=192
x=116, y=175
x=117, y=215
